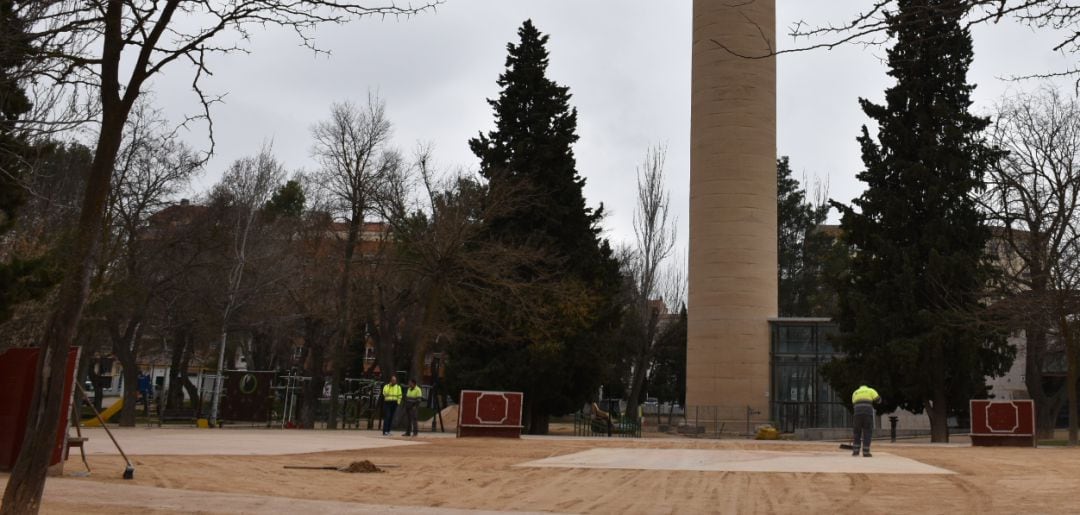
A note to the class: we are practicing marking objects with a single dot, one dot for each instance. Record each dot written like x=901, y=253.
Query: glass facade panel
x=796, y=340
x=801, y=398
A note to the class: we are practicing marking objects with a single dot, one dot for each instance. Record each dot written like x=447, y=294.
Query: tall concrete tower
x=732, y=271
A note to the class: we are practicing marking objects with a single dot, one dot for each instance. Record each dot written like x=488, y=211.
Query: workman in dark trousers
x=391, y=395
x=413, y=397
x=863, y=400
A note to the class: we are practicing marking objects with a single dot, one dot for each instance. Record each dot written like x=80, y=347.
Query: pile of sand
x=364, y=467
x=450, y=417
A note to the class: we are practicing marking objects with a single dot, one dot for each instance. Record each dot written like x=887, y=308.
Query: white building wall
x=1011, y=385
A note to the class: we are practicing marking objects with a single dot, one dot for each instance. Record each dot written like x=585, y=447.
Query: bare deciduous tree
x=109, y=50
x=152, y=166
x=869, y=27
x=654, y=230
x=248, y=185
x=1034, y=196
x=353, y=150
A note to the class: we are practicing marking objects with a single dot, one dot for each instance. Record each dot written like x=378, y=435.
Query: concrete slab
x=138, y=441
x=738, y=461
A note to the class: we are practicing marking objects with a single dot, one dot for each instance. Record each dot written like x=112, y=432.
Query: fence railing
x=706, y=421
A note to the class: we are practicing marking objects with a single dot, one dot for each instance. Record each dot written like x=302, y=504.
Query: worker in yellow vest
x=414, y=395
x=863, y=401
x=391, y=395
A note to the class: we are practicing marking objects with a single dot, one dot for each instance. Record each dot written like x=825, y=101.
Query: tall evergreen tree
x=554, y=355
x=801, y=247
x=910, y=309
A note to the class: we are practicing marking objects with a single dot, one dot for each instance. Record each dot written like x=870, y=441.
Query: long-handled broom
x=129, y=472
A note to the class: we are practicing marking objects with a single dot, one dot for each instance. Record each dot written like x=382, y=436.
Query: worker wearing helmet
x=863, y=400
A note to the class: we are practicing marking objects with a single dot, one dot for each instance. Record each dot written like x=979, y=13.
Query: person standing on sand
x=391, y=394
x=863, y=401
x=413, y=397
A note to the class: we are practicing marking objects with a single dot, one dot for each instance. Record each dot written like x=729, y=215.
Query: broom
x=129, y=472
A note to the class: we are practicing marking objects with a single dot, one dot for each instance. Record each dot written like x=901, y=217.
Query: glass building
x=799, y=396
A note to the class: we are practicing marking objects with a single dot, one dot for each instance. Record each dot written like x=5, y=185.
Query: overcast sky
x=626, y=62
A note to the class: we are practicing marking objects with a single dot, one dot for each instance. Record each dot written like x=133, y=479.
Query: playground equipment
x=359, y=400
x=105, y=416
x=605, y=422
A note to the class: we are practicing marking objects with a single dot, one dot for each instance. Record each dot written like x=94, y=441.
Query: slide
x=105, y=415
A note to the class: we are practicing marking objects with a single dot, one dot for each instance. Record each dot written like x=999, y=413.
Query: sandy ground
x=487, y=474
x=141, y=441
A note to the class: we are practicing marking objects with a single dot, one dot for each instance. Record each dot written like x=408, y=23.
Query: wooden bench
x=185, y=414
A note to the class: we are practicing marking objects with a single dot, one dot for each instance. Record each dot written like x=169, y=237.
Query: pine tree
x=910, y=308
x=288, y=200
x=554, y=355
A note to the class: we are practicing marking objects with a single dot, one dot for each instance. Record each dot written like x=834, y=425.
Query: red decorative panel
x=1003, y=423
x=18, y=371
x=485, y=413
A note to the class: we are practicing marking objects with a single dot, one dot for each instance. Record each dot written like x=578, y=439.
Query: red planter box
x=496, y=414
x=1003, y=423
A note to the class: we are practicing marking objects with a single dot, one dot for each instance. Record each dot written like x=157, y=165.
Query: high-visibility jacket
x=414, y=395
x=865, y=394
x=391, y=393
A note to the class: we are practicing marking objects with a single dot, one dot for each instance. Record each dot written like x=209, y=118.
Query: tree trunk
x=939, y=405
x=174, y=396
x=939, y=421
x=1047, y=401
x=1070, y=386
x=131, y=394
x=27, y=481
x=313, y=389
x=423, y=342
x=98, y=380
x=192, y=392
x=125, y=348
x=386, y=336
x=185, y=382
x=538, y=420
x=262, y=351
x=641, y=363
x=335, y=389
x=344, y=329
x=309, y=400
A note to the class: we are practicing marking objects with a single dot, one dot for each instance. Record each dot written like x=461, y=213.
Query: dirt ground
x=480, y=474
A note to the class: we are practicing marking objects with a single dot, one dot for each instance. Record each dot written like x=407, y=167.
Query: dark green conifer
x=911, y=308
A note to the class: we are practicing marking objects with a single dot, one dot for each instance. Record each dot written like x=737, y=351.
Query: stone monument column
x=732, y=269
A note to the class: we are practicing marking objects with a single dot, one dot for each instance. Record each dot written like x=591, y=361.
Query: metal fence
x=790, y=416
x=706, y=421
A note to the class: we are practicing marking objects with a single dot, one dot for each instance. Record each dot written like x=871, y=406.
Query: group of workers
x=863, y=400
x=393, y=397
